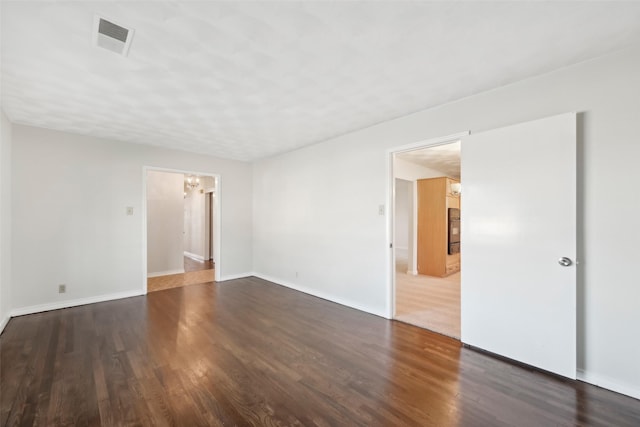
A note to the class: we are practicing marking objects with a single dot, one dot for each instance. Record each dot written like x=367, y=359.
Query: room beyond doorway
x=182, y=229
x=429, y=302
x=195, y=272
x=426, y=227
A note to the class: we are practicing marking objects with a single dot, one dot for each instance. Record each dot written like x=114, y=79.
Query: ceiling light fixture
x=192, y=182
x=456, y=188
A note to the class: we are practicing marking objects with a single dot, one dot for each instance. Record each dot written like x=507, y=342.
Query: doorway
x=426, y=223
x=518, y=228
x=182, y=230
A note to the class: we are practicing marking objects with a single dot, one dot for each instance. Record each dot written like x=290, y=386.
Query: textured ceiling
x=442, y=158
x=246, y=80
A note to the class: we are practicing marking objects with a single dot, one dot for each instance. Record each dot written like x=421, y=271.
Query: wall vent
x=111, y=36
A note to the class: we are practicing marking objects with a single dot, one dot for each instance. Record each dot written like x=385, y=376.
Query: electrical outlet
x=296, y=274
x=381, y=210
x=62, y=289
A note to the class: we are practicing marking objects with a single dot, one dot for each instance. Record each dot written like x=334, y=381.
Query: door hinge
x=390, y=245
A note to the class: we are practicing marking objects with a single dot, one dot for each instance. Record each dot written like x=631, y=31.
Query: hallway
x=195, y=272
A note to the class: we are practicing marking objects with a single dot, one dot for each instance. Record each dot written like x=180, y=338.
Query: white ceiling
x=246, y=80
x=442, y=158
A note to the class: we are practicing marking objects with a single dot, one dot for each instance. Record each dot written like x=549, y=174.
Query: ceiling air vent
x=111, y=36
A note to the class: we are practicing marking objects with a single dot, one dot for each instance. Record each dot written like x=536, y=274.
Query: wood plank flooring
x=196, y=272
x=248, y=352
x=428, y=302
x=191, y=264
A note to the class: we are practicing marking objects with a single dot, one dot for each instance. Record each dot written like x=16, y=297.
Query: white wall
x=5, y=219
x=165, y=212
x=316, y=209
x=194, y=223
x=69, y=198
x=411, y=171
x=402, y=217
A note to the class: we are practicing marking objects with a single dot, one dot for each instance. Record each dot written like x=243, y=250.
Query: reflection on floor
x=191, y=264
x=195, y=272
x=428, y=302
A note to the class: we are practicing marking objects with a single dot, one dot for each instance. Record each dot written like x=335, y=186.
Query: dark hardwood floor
x=248, y=352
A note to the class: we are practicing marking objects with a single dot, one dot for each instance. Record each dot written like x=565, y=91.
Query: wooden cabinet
x=434, y=199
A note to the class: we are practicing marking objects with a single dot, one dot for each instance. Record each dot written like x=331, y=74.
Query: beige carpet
x=428, y=302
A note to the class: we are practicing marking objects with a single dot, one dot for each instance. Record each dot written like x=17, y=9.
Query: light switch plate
x=129, y=210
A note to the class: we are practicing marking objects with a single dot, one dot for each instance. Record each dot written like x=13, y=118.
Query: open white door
x=518, y=222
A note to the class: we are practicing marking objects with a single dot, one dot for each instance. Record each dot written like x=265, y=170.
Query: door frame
x=209, y=235
x=211, y=220
x=216, y=218
x=391, y=202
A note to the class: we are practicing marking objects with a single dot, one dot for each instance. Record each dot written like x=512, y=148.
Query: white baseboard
x=73, y=303
x=235, y=276
x=3, y=323
x=194, y=256
x=609, y=384
x=323, y=295
x=412, y=272
x=166, y=273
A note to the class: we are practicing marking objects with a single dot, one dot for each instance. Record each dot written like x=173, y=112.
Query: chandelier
x=192, y=182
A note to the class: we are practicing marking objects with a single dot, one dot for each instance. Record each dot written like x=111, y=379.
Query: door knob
x=565, y=262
